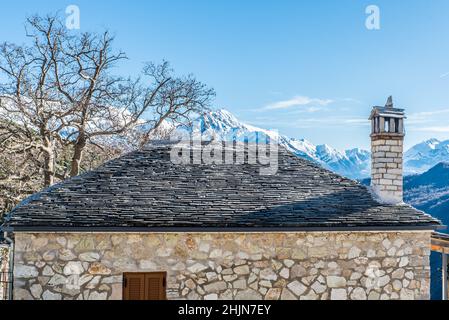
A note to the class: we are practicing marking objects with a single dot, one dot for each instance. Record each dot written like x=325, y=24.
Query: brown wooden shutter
x=134, y=286
x=145, y=286
x=155, y=286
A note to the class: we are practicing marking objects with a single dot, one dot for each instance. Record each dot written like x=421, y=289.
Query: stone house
x=143, y=227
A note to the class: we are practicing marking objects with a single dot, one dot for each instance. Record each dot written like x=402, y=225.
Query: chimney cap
x=389, y=103
x=387, y=111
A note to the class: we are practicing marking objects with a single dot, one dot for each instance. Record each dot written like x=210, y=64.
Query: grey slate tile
x=145, y=190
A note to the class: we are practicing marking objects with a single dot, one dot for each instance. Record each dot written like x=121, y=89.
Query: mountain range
x=354, y=163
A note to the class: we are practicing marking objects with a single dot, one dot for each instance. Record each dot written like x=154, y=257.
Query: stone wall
x=226, y=266
x=4, y=271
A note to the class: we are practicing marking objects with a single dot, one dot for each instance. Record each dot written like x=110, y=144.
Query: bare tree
x=62, y=96
x=176, y=100
x=19, y=170
x=27, y=102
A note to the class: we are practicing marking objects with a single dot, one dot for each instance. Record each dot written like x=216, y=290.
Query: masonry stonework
x=356, y=265
x=387, y=171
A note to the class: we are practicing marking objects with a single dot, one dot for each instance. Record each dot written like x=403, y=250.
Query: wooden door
x=144, y=286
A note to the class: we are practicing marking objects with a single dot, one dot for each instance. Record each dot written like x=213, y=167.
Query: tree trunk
x=77, y=155
x=49, y=162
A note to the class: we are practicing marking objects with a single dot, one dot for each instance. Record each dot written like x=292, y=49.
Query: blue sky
x=310, y=69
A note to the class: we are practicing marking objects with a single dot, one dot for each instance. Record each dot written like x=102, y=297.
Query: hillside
x=430, y=191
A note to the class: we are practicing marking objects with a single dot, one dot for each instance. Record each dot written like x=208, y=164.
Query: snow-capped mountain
x=223, y=125
x=426, y=155
x=354, y=163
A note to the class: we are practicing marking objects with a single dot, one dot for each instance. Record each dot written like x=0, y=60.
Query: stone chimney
x=387, y=145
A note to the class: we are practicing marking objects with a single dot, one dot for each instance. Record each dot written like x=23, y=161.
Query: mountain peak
x=217, y=122
x=425, y=155
x=223, y=113
x=432, y=142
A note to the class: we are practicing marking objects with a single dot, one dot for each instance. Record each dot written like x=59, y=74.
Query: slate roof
x=144, y=191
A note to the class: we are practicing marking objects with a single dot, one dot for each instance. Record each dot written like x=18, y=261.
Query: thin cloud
x=331, y=122
x=297, y=102
x=444, y=75
x=436, y=129
x=429, y=113
x=311, y=122
x=307, y=109
x=352, y=100
x=425, y=116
